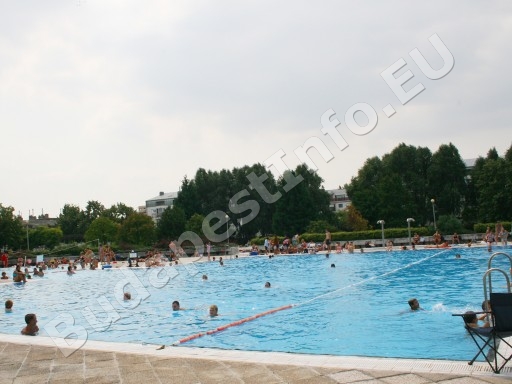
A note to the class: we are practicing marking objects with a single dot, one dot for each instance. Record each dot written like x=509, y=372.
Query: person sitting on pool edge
x=214, y=310
x=414, y=304
x=31, y=328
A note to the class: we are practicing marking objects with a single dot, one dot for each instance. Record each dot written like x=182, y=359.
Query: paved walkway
x=26, y=359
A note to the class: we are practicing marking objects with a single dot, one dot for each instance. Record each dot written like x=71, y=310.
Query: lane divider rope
x=233, y=324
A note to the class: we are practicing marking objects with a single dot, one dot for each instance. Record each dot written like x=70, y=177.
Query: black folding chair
x=488, y=339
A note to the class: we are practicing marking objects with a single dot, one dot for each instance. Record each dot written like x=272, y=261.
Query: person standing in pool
x=31, y=328
x=5, y=260
x=208, y=250
x=18, y=276
x=328, y=240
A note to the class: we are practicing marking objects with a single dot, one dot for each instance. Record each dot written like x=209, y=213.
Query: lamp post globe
x=382, y=222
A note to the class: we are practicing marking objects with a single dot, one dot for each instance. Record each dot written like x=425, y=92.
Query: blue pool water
x=357, y=308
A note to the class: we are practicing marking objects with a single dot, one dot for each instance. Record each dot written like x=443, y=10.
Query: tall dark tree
x=71, y=223
x=257, y=217
x=12, y=233
x=171, y=224
x=394, y=203
x=307, y=201
x=195, y=224
x=446, y=180
x=470, y=207
x=492, y=154
x=494, y=202
x=118, y=212
x=188, y=198
x=45, y=237
x=138, y=229
x=363, y=190
x=410, y=164
x=103, y=229
x=93, y=210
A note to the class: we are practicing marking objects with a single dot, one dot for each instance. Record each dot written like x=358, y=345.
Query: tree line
x=399, y=185
x=413, y=182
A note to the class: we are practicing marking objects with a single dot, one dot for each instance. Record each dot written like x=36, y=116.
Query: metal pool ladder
x=487, y=280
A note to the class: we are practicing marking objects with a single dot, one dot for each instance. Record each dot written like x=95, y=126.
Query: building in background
x=339, y=199
x=157, y=205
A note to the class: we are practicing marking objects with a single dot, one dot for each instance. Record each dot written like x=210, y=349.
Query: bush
x=482, y=227
x=449, y=224
x=389, y=233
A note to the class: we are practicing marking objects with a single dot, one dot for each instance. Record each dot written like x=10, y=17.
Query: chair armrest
x=476, y=313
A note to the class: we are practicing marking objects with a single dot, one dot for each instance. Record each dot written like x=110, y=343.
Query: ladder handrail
x=488, y=274
x=496, y=254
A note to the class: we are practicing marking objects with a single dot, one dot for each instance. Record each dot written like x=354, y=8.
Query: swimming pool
x=359, y=307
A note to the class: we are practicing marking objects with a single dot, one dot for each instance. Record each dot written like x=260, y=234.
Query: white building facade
x=158, y=204
x=339, y=199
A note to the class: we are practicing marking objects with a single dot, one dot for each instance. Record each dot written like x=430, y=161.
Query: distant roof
x=470, y=163
x=337, y=191
x=164, y=196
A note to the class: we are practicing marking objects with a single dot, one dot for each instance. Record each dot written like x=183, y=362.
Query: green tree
x=12, y=233
x=363, y=190
x=470, y=207
x=45, y=237
x=93, y=210
x=341, y=221
x=103, y=229
x=195, y=224
x=305, y=202
x=188, y=198
x=446, y=180
x=71, y=223
x=171, y=224
x=494, y=202
x=118, y=212
x=448, y=224
x=409, y=166
x=355, y=221
x=319, y=226
x=138, y=229
x=258, y=215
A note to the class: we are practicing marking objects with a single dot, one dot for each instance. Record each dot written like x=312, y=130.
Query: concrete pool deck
x=25, y=359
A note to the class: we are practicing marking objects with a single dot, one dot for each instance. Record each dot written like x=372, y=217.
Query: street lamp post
x=409, y=228
x=28, y=242
x=382, y=222
x=227, y=232
x=434, y=213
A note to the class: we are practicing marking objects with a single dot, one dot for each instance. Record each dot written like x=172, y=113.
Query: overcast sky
x=115, y=101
